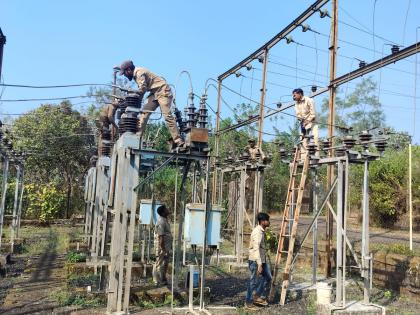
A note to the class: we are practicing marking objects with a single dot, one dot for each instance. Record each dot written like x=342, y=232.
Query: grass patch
x=75, y=257
x=311, y=308
x=400, y=249
x=76, y=280
x=150, y=304
x=66, y=298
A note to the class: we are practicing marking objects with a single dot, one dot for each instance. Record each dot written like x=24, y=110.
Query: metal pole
x=3, y=196
x=262, y=99
x=410, y=196
x=365, y=235
x=207, y=212
x=216, y=142
x=331, y=120
x=339, y=241
x=315, y=227
x=2, y=42
x=20, y=201
x=15, y=209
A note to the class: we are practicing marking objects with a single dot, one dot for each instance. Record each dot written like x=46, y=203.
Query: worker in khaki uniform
x=260, y=279
x=106, y=120
x=305, y=112
x=255, y=153
x=160, y=96
x=163, y=245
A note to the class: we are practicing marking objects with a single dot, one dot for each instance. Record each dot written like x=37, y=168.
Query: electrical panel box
x=146, y=215
x=194, y=224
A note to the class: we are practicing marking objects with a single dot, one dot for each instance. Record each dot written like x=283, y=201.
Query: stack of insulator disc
x=106, y=149
x=244, y=157
x=365, y=137
x=340, y=151
x=313, y=88
x=9, y=145
x=202, y=118
x=132, y=101
x=128, y=123
x=349, y=142
x=283, y=153
x=326, y=144
x=4, y=140
x=1, y=134
x=191, y=115
x=381, y=144
x=395, y=49
x=312, y=148
x=258, y=155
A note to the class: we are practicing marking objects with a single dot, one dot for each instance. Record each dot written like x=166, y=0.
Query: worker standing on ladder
x=260, y=279
x=160, y=95
x=305, y=112
x=163, y=237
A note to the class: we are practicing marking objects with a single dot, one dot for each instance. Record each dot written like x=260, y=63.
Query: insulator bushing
x=132, y=100
x=349, y=142
x=381, y=144
x=340, y=151
x=365, y=136
x=191, y=114
x=283, y=153
x=106, y=149
x=229, y=160
x=326, y=144
x=362, y=63
x=9, y=145
x=128, y=123
x=312, y=147
x=180, y=122
x=395, y=49
x=313, y=88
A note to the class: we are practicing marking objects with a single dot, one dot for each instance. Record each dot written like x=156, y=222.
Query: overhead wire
x=53, y=98
x=54, y=86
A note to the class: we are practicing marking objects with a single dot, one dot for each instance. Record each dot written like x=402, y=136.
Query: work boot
x=260, y=302
x=250, y=307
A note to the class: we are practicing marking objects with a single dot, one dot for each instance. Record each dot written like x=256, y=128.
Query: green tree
x=360, y=109
x=59, y=143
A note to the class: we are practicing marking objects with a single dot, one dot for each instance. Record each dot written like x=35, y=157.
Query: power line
x=53, y=86
x=54, y=98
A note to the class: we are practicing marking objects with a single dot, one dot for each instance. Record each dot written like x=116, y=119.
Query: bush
x=75, y=257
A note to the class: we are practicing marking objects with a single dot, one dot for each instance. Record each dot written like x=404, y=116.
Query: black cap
x=126, y=65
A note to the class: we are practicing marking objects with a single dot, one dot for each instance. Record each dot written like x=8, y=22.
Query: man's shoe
x=250, y=307
x=260, y=302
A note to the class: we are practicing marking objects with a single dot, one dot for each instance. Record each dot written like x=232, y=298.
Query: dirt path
x=33, y=292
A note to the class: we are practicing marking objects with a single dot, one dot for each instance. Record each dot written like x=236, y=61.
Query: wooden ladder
x=298, y=174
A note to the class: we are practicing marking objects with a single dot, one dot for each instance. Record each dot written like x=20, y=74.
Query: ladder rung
x=284, y=251
x=287, y=219
x=292, y=204
x=296, y=174
x=291, y=189
x=286, y=235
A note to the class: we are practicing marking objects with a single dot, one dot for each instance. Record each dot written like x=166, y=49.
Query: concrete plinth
x=352, y=308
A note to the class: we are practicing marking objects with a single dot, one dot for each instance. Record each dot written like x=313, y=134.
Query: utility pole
x=331, y=121
x=216, y=143
x=410, y=195
x=2, y=42
x=262, y=99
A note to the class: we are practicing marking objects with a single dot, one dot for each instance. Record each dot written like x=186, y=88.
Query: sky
x=79, y=41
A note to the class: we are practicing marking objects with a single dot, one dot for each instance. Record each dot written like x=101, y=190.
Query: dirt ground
x=38, y=274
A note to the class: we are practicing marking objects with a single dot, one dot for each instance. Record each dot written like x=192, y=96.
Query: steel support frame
x=125, y=205
x=4, y=193
x=15, y=215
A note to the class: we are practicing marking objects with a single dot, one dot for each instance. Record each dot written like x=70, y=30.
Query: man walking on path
x=260, y=279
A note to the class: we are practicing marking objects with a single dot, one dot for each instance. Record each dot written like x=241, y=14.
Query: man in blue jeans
x=260, y=279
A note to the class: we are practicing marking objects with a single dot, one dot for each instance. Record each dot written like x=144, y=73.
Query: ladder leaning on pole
x=298, y=174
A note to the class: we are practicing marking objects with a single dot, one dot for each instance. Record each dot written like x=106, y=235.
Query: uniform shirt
x=305, y=111
x=253, y=152
x=150, y=82
x=257, y=245
x=163, y=228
